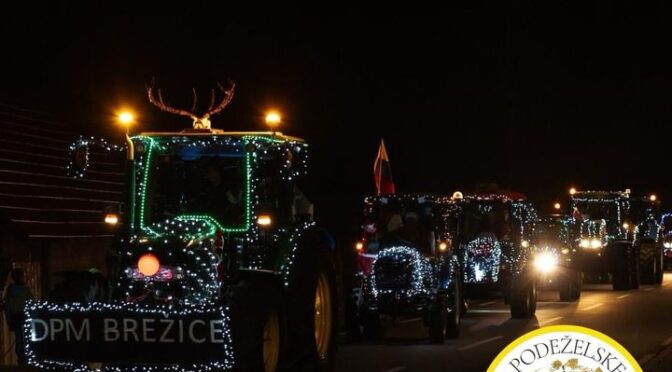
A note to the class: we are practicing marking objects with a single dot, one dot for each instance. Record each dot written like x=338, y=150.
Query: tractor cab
x=419, y=221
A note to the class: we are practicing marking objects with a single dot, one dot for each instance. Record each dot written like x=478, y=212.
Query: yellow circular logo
x=564, y=348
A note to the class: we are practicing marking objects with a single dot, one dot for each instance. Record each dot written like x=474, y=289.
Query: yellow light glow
x=557, y=206
x=264, y=220
x=148, y=264
x=626, y=225
x=595, y=244
x=525, y=244
x=111, y=219
x=565, y=251
x=585, y=243
x=273, y=119
x=572, y=191
x=443, y=246
x=653, y=197
x=545, y=262
x=458, y=195
x=359, y=246
x=126, y=118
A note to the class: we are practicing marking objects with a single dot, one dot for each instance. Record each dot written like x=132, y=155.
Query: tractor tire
x=650, y=262
x=372, y=329
x=661, y=272
x=312, y=307
x=523, y=297
x=257, y=325
x=445, y=316
x=621, y=266
x=570, y=286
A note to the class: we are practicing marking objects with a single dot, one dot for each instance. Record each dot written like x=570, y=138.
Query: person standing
x=16, y=297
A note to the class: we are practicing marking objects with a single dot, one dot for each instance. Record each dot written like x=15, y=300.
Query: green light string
x=209, y=219
x=145, y=177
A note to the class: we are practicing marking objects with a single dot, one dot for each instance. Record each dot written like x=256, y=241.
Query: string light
x=388, y=282
x=80, y=157
x=225, y=362
x=482, y=260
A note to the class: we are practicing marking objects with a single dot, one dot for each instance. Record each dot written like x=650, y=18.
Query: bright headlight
x=595, y=243
x=667, y=245
x=584, y=243
x=545, y=262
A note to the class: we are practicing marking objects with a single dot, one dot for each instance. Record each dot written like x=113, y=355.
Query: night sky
x=534, y=97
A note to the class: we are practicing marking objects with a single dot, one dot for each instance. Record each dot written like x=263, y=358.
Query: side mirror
x=79, y=159
x=80, y=151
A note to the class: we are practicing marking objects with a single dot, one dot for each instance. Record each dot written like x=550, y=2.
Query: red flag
x=382, y=173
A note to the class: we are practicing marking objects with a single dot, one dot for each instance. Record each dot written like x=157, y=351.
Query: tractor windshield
x=401, y=222
x=551, y=234
x=485, y=218
x=598, y=210
x=203, y=181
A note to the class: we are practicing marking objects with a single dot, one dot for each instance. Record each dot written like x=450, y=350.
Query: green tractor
x=619, y=237
x=219, y=264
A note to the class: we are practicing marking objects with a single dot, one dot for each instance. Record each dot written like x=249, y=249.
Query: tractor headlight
x=595, y=243
x=584, y=243
x=545, y=262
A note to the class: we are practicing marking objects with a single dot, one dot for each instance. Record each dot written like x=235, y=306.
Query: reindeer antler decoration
x=200, y=121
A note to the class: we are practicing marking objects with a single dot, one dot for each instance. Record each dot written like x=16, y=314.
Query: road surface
x=641, y=320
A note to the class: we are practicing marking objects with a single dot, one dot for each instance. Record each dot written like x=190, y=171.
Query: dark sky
x=533, y=96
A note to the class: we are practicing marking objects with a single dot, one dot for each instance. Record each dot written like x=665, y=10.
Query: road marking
x=479, y=343
x=648, y=289
x=550, y=320
x=488, y=311
x=645, y=359
x=667, y=342
x=488, y=322
x=396, y=369
x=592, y=307
x=412, y=320
x=488, y=303
x=623, y=296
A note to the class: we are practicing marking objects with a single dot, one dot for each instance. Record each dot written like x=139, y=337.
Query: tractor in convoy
x=554, y=241
x=619, y=236
x=493, y=242
x=218, y=264
x=406, y=265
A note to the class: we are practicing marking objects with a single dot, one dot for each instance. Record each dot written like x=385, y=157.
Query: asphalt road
x=641, y=320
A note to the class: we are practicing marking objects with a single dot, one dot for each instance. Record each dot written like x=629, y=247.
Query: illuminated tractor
x=217, y=241
x=554, y=242
x=619, y=236
x=493, y=242
x=407, y=266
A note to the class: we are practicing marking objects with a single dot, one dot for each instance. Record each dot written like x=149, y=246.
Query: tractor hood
x=174, y=263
